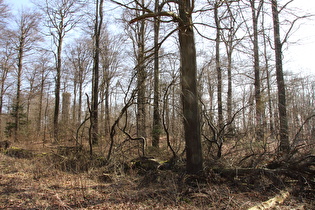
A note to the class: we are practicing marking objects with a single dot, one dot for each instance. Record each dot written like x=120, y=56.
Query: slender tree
x=109, y=59
x=156, y=98
x=231, y=40
x=26, y=36
x=61, y=18
x=80, y=57
x=282, y=108
x=44, y=71
x=217, y=20
x=141, y=75
x=98, y=24
x=6, y=66
x=4, y=14
x=256, y=10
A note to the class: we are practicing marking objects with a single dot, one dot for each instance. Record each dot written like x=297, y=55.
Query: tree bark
x=284, y=133
x=218, y=64
x=65, y=108
x=18, y=107
x=141, y=77
x=57, y=86
x=271, y=124
x=156, y=98
x=259, y=105
x=188, y=68
x=27, y=26
x=95, y=87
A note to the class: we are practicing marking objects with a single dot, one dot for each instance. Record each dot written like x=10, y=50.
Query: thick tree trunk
x=284, y=133
x=191, y=115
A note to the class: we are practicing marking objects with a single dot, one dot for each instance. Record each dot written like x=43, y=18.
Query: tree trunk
x=74, y=105
x=18, y=90
x=218, y=65
x=259, y=105
x=156, y=98
x=80, y=99
x=57, y=88
x=65, y=108
x=40, y=105
x=95, y=87
x=191, y=115
x=271, y=126
x=141, y=77
x=284, y=133
x=229, y=92
x=107, y=111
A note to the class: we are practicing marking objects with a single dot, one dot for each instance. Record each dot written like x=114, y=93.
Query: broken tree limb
x=154, y=15
x=271, y=203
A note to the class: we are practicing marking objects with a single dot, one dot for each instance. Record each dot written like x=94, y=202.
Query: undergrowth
x=66, y=177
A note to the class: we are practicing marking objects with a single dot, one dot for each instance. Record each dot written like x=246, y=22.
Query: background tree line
x=201, y=77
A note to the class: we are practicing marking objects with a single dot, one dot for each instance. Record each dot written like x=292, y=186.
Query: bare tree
x=137, y=32
x=25, y=36
x=217, y=20
x=62, y=17
x=4, y=14
x=141, y=75
x=256, y=10
x=156, y=128
x=230, y=41
x=44, y=70
x=80, y=56
x=284, y=133
x=98, y=24
x=6, y=66
x=109, y=59
x=191, y=115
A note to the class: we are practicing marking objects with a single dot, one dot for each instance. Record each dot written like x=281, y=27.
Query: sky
x=299, y=55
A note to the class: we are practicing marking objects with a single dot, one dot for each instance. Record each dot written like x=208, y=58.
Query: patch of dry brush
x=74, y=180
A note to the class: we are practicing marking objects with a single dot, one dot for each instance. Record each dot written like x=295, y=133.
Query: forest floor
x=33, y=182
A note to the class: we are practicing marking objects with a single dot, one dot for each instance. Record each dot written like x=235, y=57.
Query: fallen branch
x=271, y=203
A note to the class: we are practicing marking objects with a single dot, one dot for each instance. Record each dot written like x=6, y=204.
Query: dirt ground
x=35, y=183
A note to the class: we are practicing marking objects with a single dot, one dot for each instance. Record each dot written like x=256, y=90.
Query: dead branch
x=128, y=103
x=163, y=118
x=301, y=127
x=154, y=15
x=271, y=203
x=141, y=138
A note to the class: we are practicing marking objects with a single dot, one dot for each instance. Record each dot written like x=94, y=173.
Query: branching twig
x=163, y=118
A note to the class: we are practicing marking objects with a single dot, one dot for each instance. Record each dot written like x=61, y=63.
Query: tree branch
x=154, y=15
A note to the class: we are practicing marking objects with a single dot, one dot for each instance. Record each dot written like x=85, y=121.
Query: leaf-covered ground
x=35, y=183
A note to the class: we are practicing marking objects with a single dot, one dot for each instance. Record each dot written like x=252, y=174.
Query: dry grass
x=38, y=182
